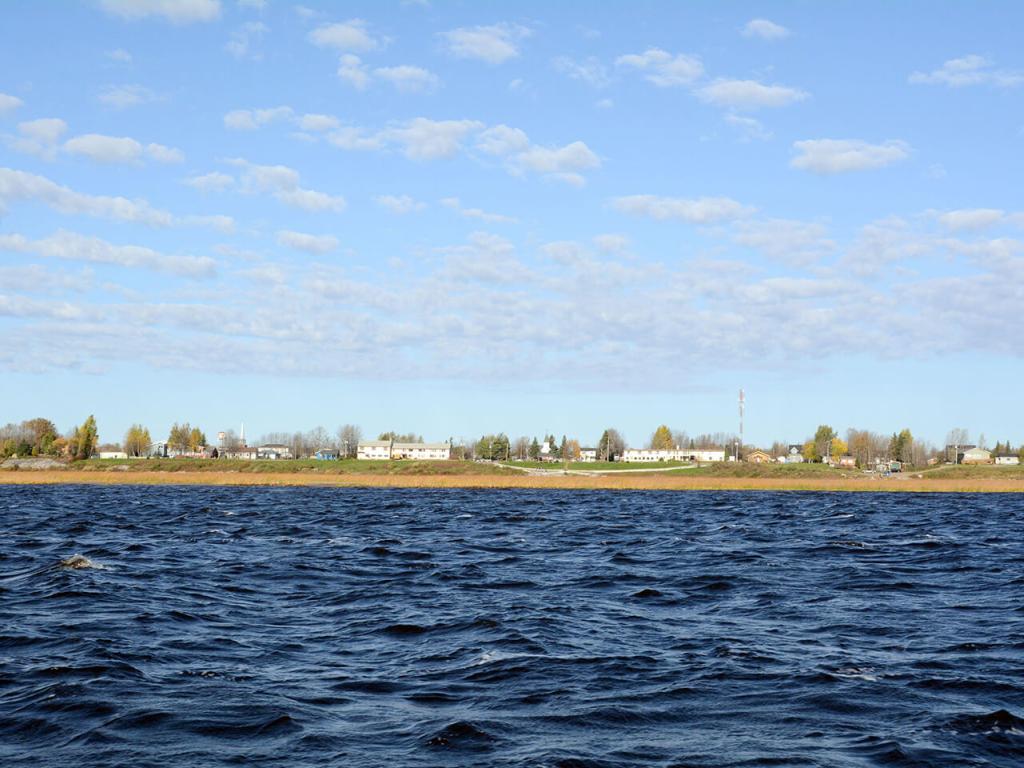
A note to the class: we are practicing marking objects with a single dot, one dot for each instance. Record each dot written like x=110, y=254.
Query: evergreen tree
x=534, y=452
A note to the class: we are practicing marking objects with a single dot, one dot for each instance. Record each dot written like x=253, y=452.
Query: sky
x=454, y=218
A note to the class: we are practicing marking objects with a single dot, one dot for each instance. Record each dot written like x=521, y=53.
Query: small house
x=976, y=456
x=848, y=462
x=759, y=457
x=326, y=454
x=588, y=454
x=1007, y=459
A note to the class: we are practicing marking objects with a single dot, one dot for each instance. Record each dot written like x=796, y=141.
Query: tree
x=196, y=439
x=610, y=445
x=838, y=448
x=901, y=447
x=823, y=441
x=534, y=452
x=178, y=439
x=571, y=450
x=42, y=433
x=137, y=440
x=397, y=437
x=85, y=439
x=810, y=451
x=349, y=437
x=522, y=445
x=661, y=440
x=318, y=439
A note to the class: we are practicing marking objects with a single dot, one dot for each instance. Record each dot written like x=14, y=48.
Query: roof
x=375, y=444
x=431, y=446
x=276, y=445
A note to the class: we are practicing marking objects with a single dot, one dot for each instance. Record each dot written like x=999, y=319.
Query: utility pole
x=740, y=447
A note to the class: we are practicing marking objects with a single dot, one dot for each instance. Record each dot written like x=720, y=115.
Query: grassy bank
x=683, y=480
x=289, y=466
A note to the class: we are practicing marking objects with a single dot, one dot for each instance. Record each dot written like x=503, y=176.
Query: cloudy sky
x=452, y=217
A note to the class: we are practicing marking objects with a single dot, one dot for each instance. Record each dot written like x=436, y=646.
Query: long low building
x=385, y=449
x=673, y=454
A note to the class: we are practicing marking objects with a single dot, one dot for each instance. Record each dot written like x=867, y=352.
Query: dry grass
x=666, y=482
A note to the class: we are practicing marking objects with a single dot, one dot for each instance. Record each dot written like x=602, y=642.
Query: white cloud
x=251, y=119
x=424, y=139
x=244, y=40
x=120, y=55
x=114, y=150
x=76, y=247
x=748, y=94
x=351, y=35
x=174, y=11
x=663, y=68
x=352, y=70
x=971, y=218
x=282, y=182
x=400, y=204
x=969, y=70
x=38, y=137
x=162, y=154
x=493, y=44
x=798, y=243
x=611, y=243
x=561, y=163
x=408, y=78
x=842, y=155
x=256, y=5
x=105, y=149
x=502, y=140
x=749, y=127
x=317, y=123
x=355, y=139
x=9, y=103
x=591, y=70
x=475, y=213
x=19, y=186
x=702, y=210
x=766, y=30
x=210, y=182
x=121, y=96
x=300, y=241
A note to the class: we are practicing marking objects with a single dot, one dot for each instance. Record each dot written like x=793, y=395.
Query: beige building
x=421, y=451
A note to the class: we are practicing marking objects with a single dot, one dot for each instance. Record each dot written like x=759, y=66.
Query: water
x=300, y=627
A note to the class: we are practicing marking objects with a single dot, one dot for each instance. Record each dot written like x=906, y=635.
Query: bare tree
x=349, y=436
x=317, y=439
x=521, y=448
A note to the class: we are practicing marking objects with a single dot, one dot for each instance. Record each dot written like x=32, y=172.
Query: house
x=547, y=452
x=422, y=451
x=700, y=454
x=157, y=450
x=274, y=451
x=327, y=454
x=113, y=455
x=794, y=455
x=848, y=462
x=374, y=449
x=588, y=454
x=758, y=457
x=976, y=456
x=243, y=452
x=955, y=453
x=1007, y=459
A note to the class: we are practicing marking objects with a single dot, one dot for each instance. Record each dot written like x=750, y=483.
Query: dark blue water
x=302, y=627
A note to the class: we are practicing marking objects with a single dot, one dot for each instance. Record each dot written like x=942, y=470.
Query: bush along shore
x=468, y=474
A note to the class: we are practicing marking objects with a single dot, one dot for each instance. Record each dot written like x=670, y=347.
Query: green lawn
x=598, y=466
x=306, y=466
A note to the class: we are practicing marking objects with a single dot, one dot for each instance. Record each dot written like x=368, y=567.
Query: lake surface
x=372, y=627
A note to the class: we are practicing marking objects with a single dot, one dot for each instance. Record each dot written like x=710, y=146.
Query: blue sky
x=453, y=218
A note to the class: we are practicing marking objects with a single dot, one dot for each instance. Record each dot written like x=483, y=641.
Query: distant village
x=861, y=449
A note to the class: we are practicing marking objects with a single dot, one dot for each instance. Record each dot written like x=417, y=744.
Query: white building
x=649, y=455
x=244, y=452
x=274, y=451
x=374, y=449
x=976, y=456
x=382, y=450
x=113, y=455
x=588, y=454
x=1008, y=459
x=421, y=451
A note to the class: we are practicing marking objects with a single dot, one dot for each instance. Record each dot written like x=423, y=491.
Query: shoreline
x=638, y=481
